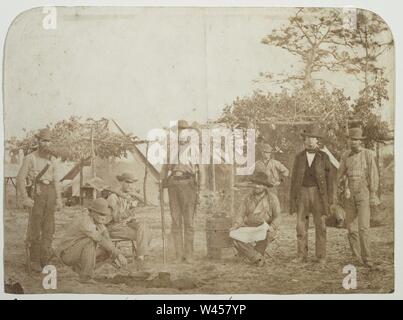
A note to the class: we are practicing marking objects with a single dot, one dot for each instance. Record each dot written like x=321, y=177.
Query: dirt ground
x=230, y=275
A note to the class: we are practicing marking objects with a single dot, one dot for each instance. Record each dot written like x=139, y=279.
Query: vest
x=309, y=179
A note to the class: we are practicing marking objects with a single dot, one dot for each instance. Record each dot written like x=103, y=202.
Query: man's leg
x=48, y=226
x=35, y=228
x=302, y=224
x=188, y=201
x=363, y=213
x=262, y=245
x=141, y=234
x=81, y=257
x=247, y=250
x=176, y=215
x=320, y=223
x=352, y=227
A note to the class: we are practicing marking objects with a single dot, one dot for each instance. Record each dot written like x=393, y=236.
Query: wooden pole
x=161, y=189
x=379, y=168
x=81, y=184
x=93, y=174
x=232, y=183
x=145, y=177
x=213, y=167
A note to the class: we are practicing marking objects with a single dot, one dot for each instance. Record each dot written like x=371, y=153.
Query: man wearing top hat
x=124, y=225
x=41, y=168
x=183, y=180
x=359, y=166
x=259, y=209
x=312, y=191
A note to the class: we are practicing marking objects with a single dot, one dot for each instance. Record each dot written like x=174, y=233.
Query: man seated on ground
x=86, y=242
x=260, y=212
x=124, y=225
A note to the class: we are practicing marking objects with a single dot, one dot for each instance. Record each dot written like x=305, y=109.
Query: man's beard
x=355, y=148
x=311, y=149
x=259, y=191
x=45, y=149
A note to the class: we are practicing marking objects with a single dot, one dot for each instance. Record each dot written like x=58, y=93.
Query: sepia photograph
x=199, y=150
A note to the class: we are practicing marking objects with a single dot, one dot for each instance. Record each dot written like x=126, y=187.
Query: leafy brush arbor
x=77, y=140
x=288, y=113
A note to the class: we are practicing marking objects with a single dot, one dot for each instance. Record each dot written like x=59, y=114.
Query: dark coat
x=325, y=175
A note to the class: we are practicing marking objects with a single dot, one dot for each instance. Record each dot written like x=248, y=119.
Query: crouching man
x=86, y=242
x=257, y=221
x=124, y=225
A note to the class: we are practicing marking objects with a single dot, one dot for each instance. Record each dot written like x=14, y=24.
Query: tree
x=369, y=39
x=314, y=36
x=322, y=40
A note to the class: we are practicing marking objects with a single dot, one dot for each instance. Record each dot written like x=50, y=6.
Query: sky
x=143, y=67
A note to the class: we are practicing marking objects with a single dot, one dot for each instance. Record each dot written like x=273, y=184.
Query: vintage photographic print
x=173, y=150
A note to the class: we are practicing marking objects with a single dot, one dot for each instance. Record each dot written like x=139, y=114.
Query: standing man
x=40, y=167
x=124, y=225
x=273, y=168
x=260, y=212
x=311, y=191
x=360, y=168
x=182, y=180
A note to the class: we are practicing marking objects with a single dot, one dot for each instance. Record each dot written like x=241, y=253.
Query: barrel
x=217, y=235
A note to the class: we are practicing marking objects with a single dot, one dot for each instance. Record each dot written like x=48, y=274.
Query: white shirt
x=310, y=157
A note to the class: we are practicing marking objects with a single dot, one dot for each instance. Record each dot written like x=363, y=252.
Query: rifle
x=129, y=196
x=28, y=245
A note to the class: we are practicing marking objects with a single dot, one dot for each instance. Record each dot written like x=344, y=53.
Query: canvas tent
x=107, y=169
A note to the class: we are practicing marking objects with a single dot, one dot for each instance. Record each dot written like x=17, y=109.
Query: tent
x=147, y=175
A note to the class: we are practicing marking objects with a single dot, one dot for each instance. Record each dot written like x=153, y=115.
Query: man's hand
x=332, y=209
x=373, y=199
x=347, y=193
x=28, y=202
x=293, y=208
x=59, y=204
x=122, y=260
x=271, y=229
x=164, y=183
x=234, y=227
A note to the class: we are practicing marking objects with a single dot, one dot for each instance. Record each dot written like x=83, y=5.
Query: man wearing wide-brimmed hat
x=41, y=168
x=86, y=241
x=124, y=224
x=182, y=178
x=259, y=212
x=312, y=191
x=359, y=166
x=273, y=168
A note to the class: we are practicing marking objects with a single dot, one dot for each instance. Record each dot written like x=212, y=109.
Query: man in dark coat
x=312, y=191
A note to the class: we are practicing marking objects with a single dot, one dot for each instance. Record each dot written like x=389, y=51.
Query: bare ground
x=230, y=275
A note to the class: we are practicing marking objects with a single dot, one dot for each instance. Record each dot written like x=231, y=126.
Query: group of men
x=87, y=241
x=313, y=189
